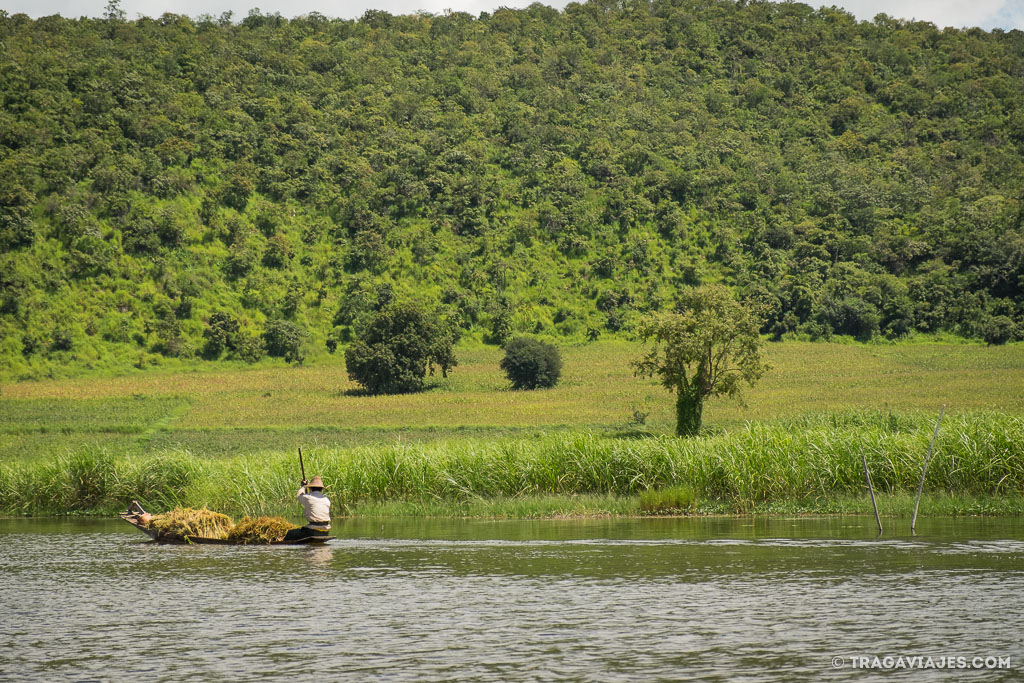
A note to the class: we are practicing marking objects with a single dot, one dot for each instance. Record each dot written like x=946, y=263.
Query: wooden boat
x=135, y=516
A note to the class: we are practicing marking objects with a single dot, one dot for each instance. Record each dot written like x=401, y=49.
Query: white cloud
x=1011, y=15
x=1005, y=14
x=347, y=9
x=987, y=14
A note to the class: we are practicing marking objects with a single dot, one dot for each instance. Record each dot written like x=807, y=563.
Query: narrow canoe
x=133, y=519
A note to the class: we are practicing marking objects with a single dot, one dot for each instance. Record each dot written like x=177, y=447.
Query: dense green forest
x=209, y=188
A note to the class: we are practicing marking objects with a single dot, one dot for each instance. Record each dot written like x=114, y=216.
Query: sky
x=988, y=14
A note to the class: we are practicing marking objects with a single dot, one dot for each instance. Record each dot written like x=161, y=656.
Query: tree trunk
x=689, y=406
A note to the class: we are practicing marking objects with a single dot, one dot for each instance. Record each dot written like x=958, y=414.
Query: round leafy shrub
x=284, y=338
x=393, y=353
x=531, y=364
x=250, y=347
x=998, y=330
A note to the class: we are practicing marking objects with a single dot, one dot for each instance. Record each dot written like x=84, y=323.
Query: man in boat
x=317, y=507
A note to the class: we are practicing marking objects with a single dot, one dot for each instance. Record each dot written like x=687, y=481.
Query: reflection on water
x=656, y=599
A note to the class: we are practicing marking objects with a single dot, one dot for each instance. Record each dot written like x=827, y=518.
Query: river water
x=579, y=600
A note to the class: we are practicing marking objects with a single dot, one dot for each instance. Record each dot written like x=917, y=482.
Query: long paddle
x=302, y=467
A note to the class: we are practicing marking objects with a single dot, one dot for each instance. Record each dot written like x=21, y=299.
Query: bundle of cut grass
x=255, y=530
x=188, y=522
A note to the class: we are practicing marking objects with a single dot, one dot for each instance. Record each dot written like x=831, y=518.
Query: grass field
x=469, y=443
x=238, y=411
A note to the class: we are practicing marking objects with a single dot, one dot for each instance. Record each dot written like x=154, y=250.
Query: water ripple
x=105, y=606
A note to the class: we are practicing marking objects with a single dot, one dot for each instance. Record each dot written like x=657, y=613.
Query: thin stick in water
x=927, y=459
x=871, y=489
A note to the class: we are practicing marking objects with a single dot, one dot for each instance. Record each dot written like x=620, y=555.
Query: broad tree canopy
x=396, y=349
x=709, y=346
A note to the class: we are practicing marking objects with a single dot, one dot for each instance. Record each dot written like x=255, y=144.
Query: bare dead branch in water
x=927, y=459
x=871, y=489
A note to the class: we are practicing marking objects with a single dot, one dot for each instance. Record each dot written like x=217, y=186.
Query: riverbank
x=809, y=464
x=897, y=506
x=891, y=506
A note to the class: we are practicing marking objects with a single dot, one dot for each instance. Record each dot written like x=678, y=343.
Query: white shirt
x=317, y=506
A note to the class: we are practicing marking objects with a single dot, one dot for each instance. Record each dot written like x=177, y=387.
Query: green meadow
x=600, y=443
x=273, y=408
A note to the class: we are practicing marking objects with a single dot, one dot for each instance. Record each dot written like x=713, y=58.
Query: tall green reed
x=812, y=457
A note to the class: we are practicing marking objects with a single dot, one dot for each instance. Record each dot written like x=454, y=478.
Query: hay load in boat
x=184, y=522
x=252, y=530
x=186, y=525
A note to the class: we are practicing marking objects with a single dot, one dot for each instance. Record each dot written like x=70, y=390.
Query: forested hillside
x=214, y=188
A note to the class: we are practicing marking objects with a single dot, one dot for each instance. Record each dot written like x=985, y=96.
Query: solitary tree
x=396, y=349
x=706, y=348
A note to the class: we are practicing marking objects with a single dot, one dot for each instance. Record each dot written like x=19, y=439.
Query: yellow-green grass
x=258, y=530
x=188, y=522
x=238, y=410
x=810, y=461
